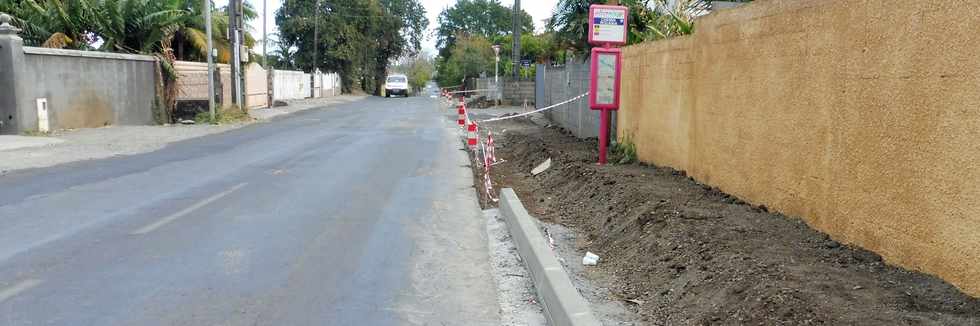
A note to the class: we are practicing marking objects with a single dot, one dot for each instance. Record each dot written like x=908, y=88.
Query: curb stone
x=563, y=305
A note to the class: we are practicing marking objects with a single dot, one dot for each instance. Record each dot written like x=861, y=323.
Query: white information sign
x=606, y=79
x=608, y=25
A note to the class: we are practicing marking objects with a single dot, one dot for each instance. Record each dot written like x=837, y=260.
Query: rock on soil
x=693, y=255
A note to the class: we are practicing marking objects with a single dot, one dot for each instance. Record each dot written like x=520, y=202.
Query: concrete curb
x=563, y=305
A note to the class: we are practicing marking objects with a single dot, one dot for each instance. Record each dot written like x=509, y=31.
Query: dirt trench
x=690, y=254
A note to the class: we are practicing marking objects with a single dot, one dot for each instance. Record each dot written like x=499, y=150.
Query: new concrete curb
x=563, y=305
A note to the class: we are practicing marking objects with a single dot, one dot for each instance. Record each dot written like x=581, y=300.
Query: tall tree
x=471, y=56
x=357, y=38
x=485, y=18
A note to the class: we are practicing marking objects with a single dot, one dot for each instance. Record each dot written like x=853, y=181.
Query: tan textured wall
x=862, y=117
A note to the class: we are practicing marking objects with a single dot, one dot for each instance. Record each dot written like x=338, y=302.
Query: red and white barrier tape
x=472, y=91
x=487, y=180
x=487, y=148
x=538, y=110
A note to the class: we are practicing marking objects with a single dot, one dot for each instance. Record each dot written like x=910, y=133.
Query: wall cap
x=5, y=27
x=88, y=54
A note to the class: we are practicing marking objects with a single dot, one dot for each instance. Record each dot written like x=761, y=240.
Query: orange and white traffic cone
x=462, y=115
x=471, y=135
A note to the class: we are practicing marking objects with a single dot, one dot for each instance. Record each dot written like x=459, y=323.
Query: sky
x=538, y=9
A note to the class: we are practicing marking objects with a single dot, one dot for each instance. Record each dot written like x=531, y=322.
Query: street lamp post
x=496, y=69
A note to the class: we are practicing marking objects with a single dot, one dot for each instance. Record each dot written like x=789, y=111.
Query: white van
x=396, y=85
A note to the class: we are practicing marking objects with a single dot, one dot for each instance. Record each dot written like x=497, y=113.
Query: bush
x=625, y=150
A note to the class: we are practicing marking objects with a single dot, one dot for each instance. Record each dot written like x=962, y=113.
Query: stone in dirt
x=590, y=259
x=544, y=166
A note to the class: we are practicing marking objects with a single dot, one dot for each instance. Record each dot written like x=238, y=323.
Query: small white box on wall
x=43, y=124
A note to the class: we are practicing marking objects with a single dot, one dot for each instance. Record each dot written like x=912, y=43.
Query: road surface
x=360, y=214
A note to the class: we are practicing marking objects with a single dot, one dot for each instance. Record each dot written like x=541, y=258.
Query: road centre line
x=18, y=288
x=167, y=220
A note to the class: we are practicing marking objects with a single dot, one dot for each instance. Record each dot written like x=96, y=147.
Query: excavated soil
x=683, y=253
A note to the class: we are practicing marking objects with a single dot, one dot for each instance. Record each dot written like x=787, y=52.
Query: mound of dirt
x=694, y=255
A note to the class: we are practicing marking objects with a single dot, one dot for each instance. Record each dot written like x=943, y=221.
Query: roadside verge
x=563, y=305
x=66, y=146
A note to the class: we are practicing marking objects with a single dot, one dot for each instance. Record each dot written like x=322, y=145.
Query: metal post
x=604, y=117
x=207, y=23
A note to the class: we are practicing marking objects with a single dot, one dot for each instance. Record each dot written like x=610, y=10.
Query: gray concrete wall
x=87, y=89
x=557, y=84
x=11, y=65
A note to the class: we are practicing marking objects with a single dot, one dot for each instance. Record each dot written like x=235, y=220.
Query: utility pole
x=234, y=30
x=207, y=23
x=265, y=55
x=316, y=36
x=517, y=39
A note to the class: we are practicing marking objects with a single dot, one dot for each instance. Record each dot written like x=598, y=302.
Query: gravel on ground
x=518, y=301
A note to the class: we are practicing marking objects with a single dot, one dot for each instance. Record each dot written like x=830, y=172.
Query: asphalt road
x=360, y=214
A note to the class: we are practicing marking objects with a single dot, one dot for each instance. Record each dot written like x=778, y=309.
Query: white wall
x=326, y=85
x=291, y=85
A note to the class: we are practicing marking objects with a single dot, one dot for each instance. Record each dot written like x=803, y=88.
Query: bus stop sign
x=608, y=25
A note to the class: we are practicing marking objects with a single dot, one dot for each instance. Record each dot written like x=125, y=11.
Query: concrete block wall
x=512, y=92
x=859, y=116
x=518, y=92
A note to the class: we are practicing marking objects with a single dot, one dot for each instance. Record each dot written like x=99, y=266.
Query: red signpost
x=608, y=28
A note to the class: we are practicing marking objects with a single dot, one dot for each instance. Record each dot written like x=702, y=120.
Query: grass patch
x=229, y=116
x=625, y=150
x=35, y=133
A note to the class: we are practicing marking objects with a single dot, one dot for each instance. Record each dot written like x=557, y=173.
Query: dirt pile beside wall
x=696, y=256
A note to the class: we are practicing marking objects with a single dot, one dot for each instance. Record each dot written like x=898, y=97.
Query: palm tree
x=146, y=27
x=53, y=23
x=190, y=41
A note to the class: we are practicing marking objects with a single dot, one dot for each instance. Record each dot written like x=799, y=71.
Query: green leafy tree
x=419, y=69
x=538, y=48
x=357, y=38
x=471, y=56
x=486, y=18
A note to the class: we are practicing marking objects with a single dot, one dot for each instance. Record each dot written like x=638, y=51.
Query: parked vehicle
x=396, y=85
